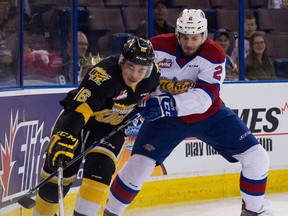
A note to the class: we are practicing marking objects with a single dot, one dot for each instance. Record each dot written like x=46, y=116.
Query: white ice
x=219, y=207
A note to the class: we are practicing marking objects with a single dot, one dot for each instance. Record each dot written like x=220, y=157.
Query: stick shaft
x=81, y=155
x=60, y=189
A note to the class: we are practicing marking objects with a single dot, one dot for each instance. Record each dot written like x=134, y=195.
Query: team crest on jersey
x=115, y=115
x=165, y=63
x=175, y=86
x=98, y=75
x=149, y=147
x=122, y=108
x=121, y=96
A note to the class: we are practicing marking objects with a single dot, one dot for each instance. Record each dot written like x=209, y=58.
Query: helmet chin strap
x=205, y=35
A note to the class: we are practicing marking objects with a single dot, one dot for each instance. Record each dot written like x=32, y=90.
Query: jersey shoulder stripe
x=212, y=52
x=164, y=42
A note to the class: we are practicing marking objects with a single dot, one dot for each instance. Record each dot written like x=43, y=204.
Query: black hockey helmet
x=139, y=51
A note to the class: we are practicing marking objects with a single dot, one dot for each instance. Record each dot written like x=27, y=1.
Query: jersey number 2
x=217, y=73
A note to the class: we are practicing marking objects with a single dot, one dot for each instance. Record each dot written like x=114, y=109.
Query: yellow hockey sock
x=45, y=208
x=93, y=191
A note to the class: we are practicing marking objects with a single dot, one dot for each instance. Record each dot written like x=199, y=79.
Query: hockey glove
x=61, y=147
x=159, y=106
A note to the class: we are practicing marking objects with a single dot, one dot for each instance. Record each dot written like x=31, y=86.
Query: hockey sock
x=128, y=182
x=255, y=165
x=91, y=196
x=44, y=208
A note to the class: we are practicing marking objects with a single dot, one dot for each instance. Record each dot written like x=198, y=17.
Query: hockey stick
x=60, y=189
x=28, y=203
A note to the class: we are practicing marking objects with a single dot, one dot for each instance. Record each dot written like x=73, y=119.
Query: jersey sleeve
x=89, y=97
x=197, y=100
x=93, y=91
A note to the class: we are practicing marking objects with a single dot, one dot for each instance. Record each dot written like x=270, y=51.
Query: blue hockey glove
x=159, y=106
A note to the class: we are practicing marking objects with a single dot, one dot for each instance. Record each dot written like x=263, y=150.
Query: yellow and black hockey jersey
x=103, y=100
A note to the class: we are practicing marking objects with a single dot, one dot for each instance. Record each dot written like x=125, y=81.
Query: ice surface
x=218, y=207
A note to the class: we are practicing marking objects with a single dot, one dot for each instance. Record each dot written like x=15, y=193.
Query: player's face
x=223, y=41
x=190, y=43
x=133, y=73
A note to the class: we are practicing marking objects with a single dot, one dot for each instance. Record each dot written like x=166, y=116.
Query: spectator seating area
x=104, y=21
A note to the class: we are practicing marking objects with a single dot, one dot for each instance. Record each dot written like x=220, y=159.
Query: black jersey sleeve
x=79, y=104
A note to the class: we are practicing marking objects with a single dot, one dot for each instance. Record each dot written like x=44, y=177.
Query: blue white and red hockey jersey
x=194, y=81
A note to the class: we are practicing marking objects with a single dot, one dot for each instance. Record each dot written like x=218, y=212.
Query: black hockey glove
x=61, y=147
x=159, y=106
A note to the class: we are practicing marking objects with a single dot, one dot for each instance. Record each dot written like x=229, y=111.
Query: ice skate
x=108, y=213
x=267, y=212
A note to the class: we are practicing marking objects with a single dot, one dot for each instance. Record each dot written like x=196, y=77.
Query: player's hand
x=159, y=106
x=61, y=147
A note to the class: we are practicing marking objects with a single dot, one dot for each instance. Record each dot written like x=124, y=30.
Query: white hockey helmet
x=192, y=21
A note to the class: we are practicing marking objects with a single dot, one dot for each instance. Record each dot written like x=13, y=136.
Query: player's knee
x=99, y=167
x=257, y=155
x=256, y=158
x=142, y=161
x=140, y=166
x=49, y=192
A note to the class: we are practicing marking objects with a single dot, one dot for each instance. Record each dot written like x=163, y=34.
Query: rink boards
x=193, y=171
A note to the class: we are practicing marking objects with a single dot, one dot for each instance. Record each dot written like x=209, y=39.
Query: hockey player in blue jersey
x=192, y=72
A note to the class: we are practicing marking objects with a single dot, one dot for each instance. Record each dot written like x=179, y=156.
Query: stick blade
x=27, y=202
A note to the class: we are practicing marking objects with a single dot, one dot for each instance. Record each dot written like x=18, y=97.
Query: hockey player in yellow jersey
x=107, y=95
